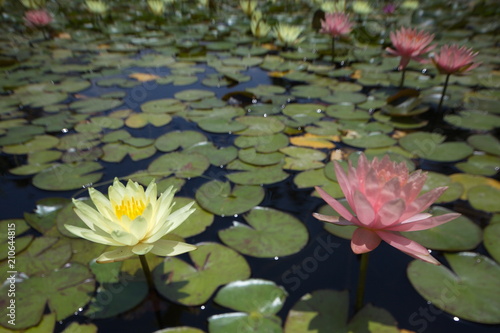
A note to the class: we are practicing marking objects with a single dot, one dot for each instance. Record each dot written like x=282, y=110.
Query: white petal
x=164, y=248
x=142, y=248
x=102, y=204
x=139, y=227
x=91, y=235
x=124, y=238
x=119, y=254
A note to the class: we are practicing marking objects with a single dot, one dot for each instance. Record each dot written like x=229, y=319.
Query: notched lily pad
x=269, y=233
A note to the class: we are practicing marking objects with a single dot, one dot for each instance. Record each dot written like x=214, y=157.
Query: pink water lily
x=454, y=59
x=336, y=24
x=384, y=199
x=410, y=44
x=37, y=18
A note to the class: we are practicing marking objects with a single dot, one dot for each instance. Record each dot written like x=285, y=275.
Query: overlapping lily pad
x=214, y=265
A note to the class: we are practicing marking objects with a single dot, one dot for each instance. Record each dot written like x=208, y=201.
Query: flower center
x=130, y=207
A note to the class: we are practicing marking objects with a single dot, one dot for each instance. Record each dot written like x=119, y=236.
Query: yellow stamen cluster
x=130, y=207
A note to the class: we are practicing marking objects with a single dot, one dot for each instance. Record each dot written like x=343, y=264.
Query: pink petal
x=364, y=240
x=332, y=219
x=363, y=209
x=342, y=180
x=423, y=202
x=372, y=186
x=424, y=224
x=390, y=212
x=407, y=246
x=337, y=206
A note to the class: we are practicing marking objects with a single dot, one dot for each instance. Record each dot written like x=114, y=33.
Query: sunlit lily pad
x=258, y=300
x=263, y=143
x=217, y=197
x=473, y=279
x=180, y=329
x=270, y=233
x=214, y=265
x=64, y=177
x=485, y=165
x=216, y=156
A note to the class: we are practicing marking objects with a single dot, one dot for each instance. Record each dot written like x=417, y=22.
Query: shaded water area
x=246, y=127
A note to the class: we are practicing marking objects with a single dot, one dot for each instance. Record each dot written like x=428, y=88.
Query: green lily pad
x=459, y=234
x=310, y=91
x=258, y=176
x=310, y=178
x=313, y=313
x=492, y=240
x=484, y=197
x=251, y=156
x=166, y=105
x=13, y=229
x=485, y=165
x=431, y=146
x=217, y=197
x=75, y=327
x=220, y=125
x=37, y=143
x=263, y=143
x=266, y=89
x=64, y=291
x=473, y=279
x=94, y=105
x=259, y=301
x=435, y=179
x=485, y=142
x=370, y=140
x=183, y=165
x=180, y=329
x=196, y=223
x=474, y=120
x=216, y=156
x=257, y=126
x=345, y=97
x=179, y=139
x=64, y=177
x=270, y=234
x=214, y=266
x=193, y=95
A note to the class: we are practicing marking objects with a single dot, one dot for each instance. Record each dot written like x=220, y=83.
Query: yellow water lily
x=32, y=4
x=288, y=34
x=96, y=6
x=260, y=29
x=362, y=7
x=157, y=7
x=133, y=219
x=248, y=6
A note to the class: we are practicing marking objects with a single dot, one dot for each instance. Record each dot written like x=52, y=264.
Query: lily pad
x=217, y=197
x=216, y=156
x=193, y=95
x=65, y=177
x=263, y=143
x=257, y=126
x=459, y=234
x=258, y=176
x=472, y=279
x=178, y=139
x=431, y=146
x=94, y=105
x=485, y=165
x=269, y=233
x=37, y=143
x=251, y=156
x=369, y=140
x=484, y=197
x=196, y=223
x=485, y=142
x=183, y=165
x=434, y=179
x=13, y=229
x=492, y=240
x=214, y=266
x=64, y=291
x=474, y=120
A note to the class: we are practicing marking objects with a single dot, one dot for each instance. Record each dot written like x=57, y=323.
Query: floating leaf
x=214, y=265
x=270, y=233
x=492, y=240
x=473, y=279
x=183, y=165
x=258, y=176
x=38, y=143
x=64, y=177
x=485, y=142
x=193, y=95
x=196, y=223
x=257, y=126
x=484, y=197
x=173, y=140
x=430, y=146
x=217, y=197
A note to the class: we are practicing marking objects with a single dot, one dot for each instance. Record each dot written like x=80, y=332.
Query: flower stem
x=363, y=269
x=333, y=50
x=402, y=78
x=443, y=93
x=152, y=289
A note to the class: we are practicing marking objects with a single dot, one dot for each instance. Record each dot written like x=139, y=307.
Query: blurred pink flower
x=410, y=44
x=336, y=24
x=37, y=18
x=384, y=198
x=453, y=59
x=389, y=8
